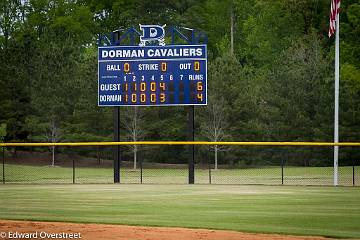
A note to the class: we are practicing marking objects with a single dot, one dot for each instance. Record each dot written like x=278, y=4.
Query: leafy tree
x=2, y=132
x=270, y=64
x=303, y=89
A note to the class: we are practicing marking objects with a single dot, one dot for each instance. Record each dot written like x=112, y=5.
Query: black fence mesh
x=172, y=169
x=96, y=167
x=34, y=166
x=235, y=165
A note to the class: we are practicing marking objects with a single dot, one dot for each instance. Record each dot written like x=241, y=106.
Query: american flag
x=335, y=8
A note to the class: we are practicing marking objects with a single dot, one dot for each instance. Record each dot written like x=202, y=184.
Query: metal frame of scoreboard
x=136, y=76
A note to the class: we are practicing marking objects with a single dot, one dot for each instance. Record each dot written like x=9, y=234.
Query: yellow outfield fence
x=309, y=144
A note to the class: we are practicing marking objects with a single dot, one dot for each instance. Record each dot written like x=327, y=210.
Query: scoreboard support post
x=191, y=137
x=117, y=152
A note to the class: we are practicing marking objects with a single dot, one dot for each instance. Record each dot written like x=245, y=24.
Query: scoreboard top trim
x=175, y=52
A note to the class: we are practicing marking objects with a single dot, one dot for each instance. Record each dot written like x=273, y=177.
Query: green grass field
x=267, y=175
x=326, y=211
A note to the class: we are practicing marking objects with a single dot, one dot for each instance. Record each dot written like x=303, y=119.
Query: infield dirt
x=121, y=232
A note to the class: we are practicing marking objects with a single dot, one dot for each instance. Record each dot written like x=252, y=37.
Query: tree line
x=270, y=76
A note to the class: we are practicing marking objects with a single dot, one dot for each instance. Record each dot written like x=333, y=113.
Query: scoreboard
x=152, y=75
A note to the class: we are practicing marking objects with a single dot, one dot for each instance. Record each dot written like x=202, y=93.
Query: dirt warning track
x=56, y=230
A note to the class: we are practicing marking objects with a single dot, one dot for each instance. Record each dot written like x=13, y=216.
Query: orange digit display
x=163, y=66
x=125, y=98
x=142, y=87
x=126, y=67
x=162, y=86
x=153, y=98
x=134, y=87
x=162, y=97
x=197, y=66
x=133, y=98
x=199, y=86
x=153, y=86
x=142, y=98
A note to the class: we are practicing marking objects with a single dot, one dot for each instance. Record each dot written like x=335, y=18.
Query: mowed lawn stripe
x=326, y=211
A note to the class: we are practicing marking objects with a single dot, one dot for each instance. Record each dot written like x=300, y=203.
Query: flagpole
x=336, y=117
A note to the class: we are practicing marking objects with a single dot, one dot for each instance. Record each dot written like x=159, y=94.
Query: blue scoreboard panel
x=152, y=75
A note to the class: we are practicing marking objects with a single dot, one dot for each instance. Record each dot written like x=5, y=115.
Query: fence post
x=191, y=137
x=209, y=172
x=3, y=165
x=353, y=171
x=282, y=171
x=73, y=167
x=117, y=150
x=141, y=171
